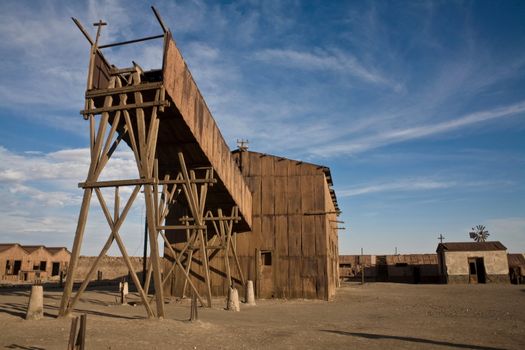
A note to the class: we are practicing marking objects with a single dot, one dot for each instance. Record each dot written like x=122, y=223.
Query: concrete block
x=35, y=308
x=250, y=295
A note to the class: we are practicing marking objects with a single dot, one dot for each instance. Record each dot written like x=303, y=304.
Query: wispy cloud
x=394, y=136
x=328, y=60
x=40, y=195
x=416, y=184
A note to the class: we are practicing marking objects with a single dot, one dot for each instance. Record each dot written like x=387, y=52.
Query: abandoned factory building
x=292, y=249
x=32, y=262
x=399, y=268
x=473, y=262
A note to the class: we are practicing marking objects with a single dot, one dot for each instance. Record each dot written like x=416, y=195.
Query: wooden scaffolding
x=177, y=169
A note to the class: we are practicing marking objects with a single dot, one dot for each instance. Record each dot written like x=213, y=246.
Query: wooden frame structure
x=170, y=142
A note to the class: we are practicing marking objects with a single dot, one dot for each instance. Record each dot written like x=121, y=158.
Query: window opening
x=266, y=258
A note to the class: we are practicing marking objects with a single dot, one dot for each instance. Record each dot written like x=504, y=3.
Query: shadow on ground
x=16, y=346
x=410, y=339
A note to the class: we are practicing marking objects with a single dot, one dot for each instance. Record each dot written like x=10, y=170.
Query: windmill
x=479, y=233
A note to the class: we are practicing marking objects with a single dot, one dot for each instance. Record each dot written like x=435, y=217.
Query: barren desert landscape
x=370, y=316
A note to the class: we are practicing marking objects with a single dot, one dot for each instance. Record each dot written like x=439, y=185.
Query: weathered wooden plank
x=307, y=194
x=255, y=164
x=308, y=236
x=182, y=90
x=268, y=232
x=256, y=187
x=281, y=195
x=282, y=284
x=294, y=235
x=295, y=280
x=281, y=235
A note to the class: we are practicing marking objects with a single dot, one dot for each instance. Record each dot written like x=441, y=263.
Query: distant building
x=473, y=262
x=32, y=262
x=399, y=268
x=517, y=268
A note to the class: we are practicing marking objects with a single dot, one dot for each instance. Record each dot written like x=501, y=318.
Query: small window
x=55, y=269
x=36, y=267
x=266, y=258
x=17, y=267
x=472, y=266
x=43, y=265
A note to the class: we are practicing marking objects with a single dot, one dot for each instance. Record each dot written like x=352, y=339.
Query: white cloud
x=334, y=60
x=416, y=184
x=41, y=199
x=399, y=135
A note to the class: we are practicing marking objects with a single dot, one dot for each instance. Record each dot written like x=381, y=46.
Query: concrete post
x=250, y=296
x=35, y=309
x=124, y=291
x=233, y=300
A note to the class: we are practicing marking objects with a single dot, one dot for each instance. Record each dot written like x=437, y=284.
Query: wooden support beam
x=182, y=227
x=75, y=253
x=186, y=273
x=124, y=253
x=197, y=210
x=101, y=110
x=132, y=41
x=213, y=218
x=123, y=90
x=118, y=221
x=133, y=182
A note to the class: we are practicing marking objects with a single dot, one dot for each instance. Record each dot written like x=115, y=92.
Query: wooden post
x=362, y=268
x=145, y=254
x=81, y=225
x=72, y=334
x=194, y=313
x=77, y=333
x=257, y=273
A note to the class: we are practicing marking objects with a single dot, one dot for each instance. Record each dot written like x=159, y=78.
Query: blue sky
x=417, y=107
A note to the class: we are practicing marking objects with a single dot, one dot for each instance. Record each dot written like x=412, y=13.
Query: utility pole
x=145, y=256
x=242, y=145
x=362, y=268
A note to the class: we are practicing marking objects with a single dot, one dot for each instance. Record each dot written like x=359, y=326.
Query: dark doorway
x=480, y=268
x=56, y=269
x=17, y=266
x=472, y=271
x=382, y=268
x=43, y=265
x=265, y=288
x=417, y=274
x=476, y=269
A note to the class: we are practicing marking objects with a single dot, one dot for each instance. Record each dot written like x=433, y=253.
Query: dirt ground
x=372, y=316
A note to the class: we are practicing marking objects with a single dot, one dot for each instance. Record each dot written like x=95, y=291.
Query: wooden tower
x=185, y=169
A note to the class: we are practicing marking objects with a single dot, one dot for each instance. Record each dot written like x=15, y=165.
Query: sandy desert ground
x=372, y=316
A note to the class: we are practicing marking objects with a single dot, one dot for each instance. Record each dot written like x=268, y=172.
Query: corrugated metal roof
x=6, y=246
x=31, y=248
x=516, y=260
x=54, y=250
x=470, y=246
